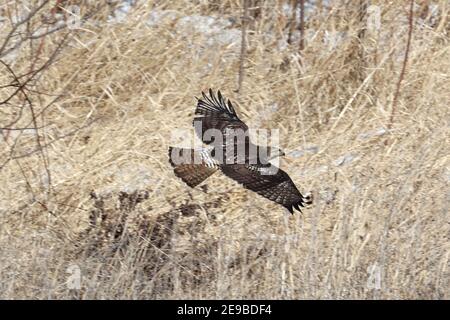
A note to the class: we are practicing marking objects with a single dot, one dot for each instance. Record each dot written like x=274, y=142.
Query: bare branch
x=243, y=46
x=405, y=61
x=302, y=25
x=18, y=24
x=293, y=22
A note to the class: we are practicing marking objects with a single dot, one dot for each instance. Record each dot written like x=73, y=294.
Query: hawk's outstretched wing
x=216, y=113
x=268, y=181
x=186, y=167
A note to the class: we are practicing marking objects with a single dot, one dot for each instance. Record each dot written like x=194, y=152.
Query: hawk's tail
x=192, y=166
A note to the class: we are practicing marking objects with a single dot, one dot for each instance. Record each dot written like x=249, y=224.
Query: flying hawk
x=231, y=151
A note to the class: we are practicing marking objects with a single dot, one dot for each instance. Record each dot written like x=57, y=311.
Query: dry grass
x=114, y=208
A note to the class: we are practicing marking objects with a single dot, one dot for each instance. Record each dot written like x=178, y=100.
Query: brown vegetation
x=86, y=117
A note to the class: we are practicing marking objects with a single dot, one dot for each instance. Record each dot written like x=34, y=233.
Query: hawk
x=230, y=150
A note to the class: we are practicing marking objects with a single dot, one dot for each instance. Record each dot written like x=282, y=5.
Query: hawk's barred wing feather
x=216, y=104
x=214, y=112
x=277, y=187
x=187, y=169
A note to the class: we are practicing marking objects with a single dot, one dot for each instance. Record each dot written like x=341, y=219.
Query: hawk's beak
x=288, y=157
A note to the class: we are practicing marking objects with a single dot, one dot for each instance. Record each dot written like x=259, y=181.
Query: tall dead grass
x=101, y=196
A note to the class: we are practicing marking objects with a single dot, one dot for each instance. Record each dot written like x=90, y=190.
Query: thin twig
x=293, y=22
x=36, y=72
x=362, y=13
x=243, y=46
x=24, y=20
x=43, y=146
x=405, y=61
x=302, y=25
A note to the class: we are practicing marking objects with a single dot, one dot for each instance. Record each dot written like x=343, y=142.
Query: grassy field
x=88, y=113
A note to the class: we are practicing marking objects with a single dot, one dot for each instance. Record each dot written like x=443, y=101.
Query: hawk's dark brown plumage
x=256, y=174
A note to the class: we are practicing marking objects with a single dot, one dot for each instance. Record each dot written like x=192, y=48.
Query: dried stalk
x=302, y=25
x=243, y=46
x=405, y=61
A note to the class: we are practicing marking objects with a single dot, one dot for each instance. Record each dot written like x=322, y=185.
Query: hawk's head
x=275, y=153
